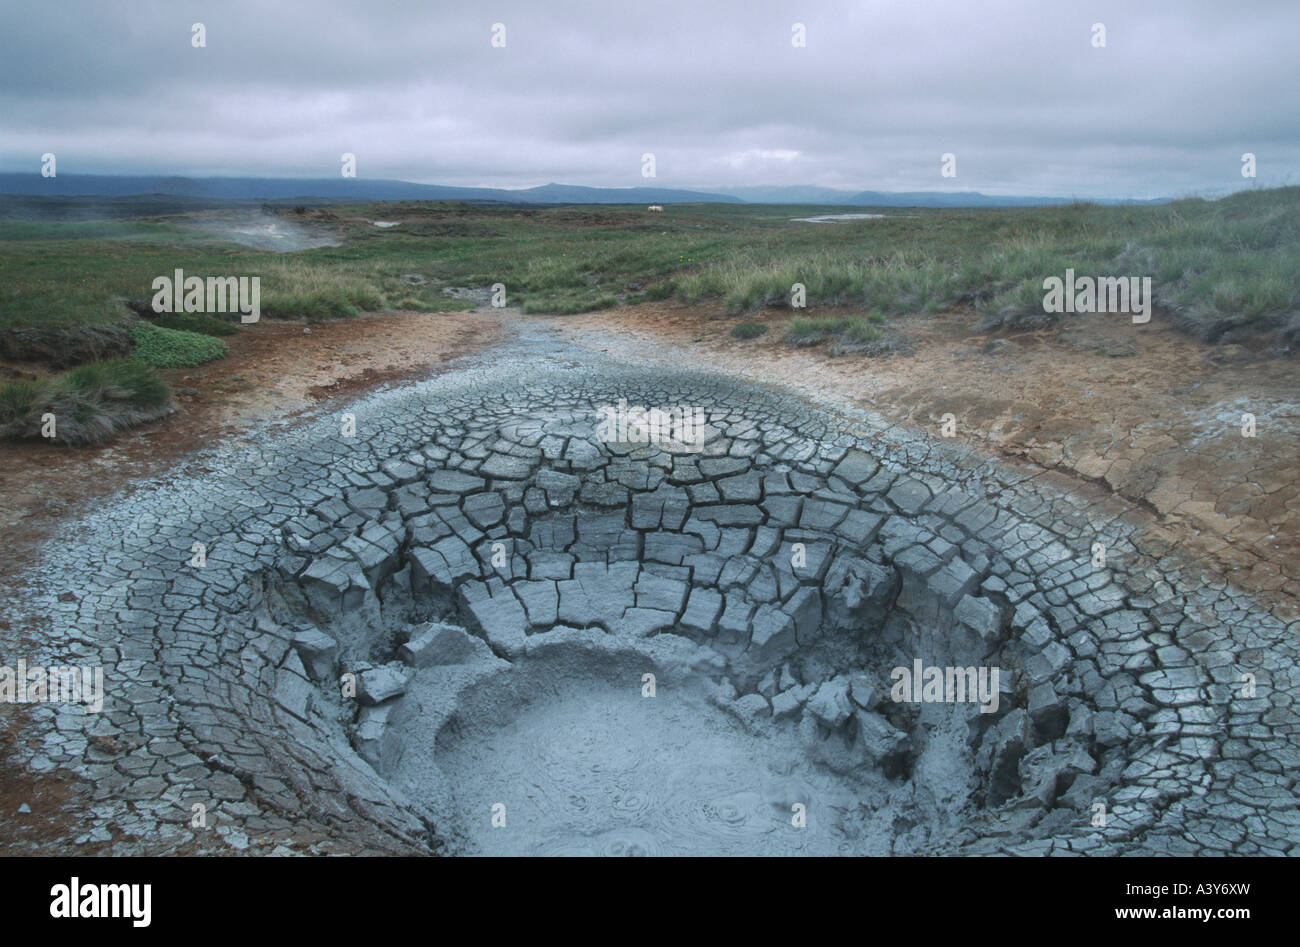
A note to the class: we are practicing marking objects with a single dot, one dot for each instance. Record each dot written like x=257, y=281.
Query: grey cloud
x=715, y=91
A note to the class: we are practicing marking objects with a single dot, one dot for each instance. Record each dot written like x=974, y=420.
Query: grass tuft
x=748, y=330
x=89, y=403
x=860, y=330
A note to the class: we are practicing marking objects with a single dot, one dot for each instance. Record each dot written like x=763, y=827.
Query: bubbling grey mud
x=477, y=627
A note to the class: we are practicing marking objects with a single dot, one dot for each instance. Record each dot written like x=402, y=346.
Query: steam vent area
x=490, y=614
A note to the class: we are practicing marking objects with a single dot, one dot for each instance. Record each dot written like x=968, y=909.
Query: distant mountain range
x=825, y=195
x=357, y=189
x=360, y=189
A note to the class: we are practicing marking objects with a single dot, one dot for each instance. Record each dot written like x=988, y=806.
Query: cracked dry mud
x=499, y=581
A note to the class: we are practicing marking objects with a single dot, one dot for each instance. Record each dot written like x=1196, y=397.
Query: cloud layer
x=716, y=91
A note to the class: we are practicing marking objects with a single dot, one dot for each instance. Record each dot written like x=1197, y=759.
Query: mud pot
x=475, y=626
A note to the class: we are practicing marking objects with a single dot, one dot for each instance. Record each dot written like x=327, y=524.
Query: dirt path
x=1144, y=411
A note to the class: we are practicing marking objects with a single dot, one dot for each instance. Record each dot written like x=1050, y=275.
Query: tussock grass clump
x=16, y=399
x=748, y=330
x=657, y=292
x=174, y=348
x=89, y=403
x=311, y=287
x=310, y=308
x=120, y=379
x=859, y=330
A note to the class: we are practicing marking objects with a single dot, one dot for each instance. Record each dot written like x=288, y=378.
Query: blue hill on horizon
x=366, y=190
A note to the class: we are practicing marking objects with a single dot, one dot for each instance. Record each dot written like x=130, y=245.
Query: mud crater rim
x=680, y=562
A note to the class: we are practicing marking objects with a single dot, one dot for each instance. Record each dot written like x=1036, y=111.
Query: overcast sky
x=715, y=90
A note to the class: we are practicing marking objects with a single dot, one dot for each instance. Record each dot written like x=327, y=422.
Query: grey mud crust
x=505, y=592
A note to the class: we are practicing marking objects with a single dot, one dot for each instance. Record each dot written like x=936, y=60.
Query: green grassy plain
x=1216, y=266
